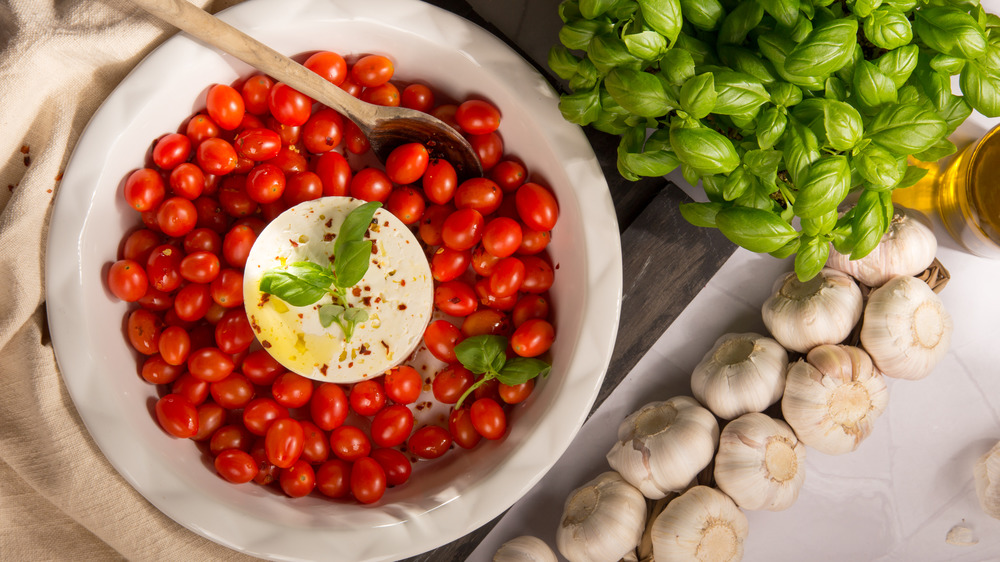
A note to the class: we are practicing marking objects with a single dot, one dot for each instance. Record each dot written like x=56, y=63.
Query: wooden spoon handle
x=215, y=32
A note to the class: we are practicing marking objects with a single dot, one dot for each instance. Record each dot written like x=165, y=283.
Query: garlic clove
x=907, y=248
x=663, y=445
x=741, y=373
x=760, y=463
x=960, y=535
x=602, y=520
x=823, y=310
x=702, y=524
x=525, y=548
x=906, y=329
x=833, y=398
x=987, y=477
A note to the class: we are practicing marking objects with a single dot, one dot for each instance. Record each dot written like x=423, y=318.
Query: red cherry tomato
x=128, y=280
x=333, y=479
x=211, y=417
x=486, y=321
x=283, y=442
x=429, y=442
x=227, y=289
x=488, y=418
x=448, y=264
x=298, y=480
x=502, y=237
x=371, y=184
x=406, y=204
x=536, y=206
x=292, y=390
x=489, y=149
x=144, y=328
x=265, y=183
x=417, y=96
x=216, y=156
x=193, y=302
x=258, y=144
x=335, y=173
x=174, y=345
x=534, y=241
x=236, y=466
x=316, y=446
x=176, y=216
x=157, y=371
x=144, y=189
x=463, y=433
x=441, y=337
x=255, y=91
x=301, y=187
x=509, y=175
x=328, y=406
x=233, y=392
x=384, y=94
x=481, y=194
x=395, y=464
x=528, y=307
x=261, y=368
x=195, y=390
x=403, y=384
x=225, y=106
x=171, y=150
x=329, y=65
x=455, y=298
x=349, y=443
x=451, y=383
x=407, y=163
x=462, y=229
x=368, y=480
x=483, y=262
x=200, y=267
x=538, y=275
x=187, y=180
x=260, y=413
x=392, y=425
x=288, y=105
x=372, y=70
x=177, y=416
x=230, y=437
x=440, y=181
x=367, y=397
x=477, y=117
x=507, y=278
x=323, y=131
x=532, y=338
x=432, y=222
x=515, y=394
x=210, y=364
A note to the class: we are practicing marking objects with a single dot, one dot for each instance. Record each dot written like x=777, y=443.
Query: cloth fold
x=59, y=497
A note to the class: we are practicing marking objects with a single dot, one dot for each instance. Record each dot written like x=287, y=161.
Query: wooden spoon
x=385, y=127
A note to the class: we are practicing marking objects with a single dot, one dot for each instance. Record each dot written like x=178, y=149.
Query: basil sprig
x=780, y=109
x=486, y=355
x=304, y=283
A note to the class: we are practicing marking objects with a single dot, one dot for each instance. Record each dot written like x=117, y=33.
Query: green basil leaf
x=577, y=34
x=888, y=28
x=698, y=95
x=981, y=89
x=563, y=62
x=785, y=11
x=690, y=174
x=763, y=164
x=700, y=51
x=947, y=64
x=941, y=149
x=713, y=187
x=817, y=226
x=902, y=5
x=355, y=315
x=898, y=64
x=784, y=94
x=677, y=66
x=738, y=23
x=738, y=182
x=954, y=112
x=829, y=47
x=738, y=93
x=802, y=28
x=745, y=61
x=663, y=16
x=479, y=353
x=638, y=92
x=582, y=108
x=786, y=250
x=355, y=226
x=842, y=124
x=864, y=8
x=776, y=49
x=801, y=148
x=654, y=161
x=811, y=258
x=590, y=9
x=298, y=285
x=329, y=313
x=608, y=51
x=770, y=127
x=835, y=89
x=705, y=150
x=586, y=76
x=827, y=184
x=878, y=166
x=868, y=224
x=351, y=263
x=950, y=31
x=754, y=229
x=703, y=14
x=912, y=176
x=700, y=214
x=519, y=370
x=906, y=129
x=990, y=61
x=872, y=88
x=759, y=197
x=646, y=45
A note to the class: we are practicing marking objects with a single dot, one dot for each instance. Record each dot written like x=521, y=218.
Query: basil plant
x=780, y=108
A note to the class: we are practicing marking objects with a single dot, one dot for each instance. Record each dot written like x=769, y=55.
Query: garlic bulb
x=525, y=548
x=907, y=248
x=760, y=463
x=833, y=398
x=987, y=476
x=703, y=525
x=802, y=315
x=741, y=373
x=663, y=445
x=906, y=329
x=602, y=520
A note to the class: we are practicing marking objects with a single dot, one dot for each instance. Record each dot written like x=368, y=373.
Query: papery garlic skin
x=906, y=329
x=987, y=477
x=907, y=248
x=703, y=525
x=663, y=445
x=741, y=373
x=833, y=398
x=602, y=520
x=760, y=463
x=823, y=310
x=525, y=548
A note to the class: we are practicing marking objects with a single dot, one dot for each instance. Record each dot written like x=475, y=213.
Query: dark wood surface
x=665, y=260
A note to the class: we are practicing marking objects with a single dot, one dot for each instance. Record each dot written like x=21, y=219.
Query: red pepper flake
x=264, y=298
x=293, y=243
x=374, y=248
x=351, y=364
x=402, y=283
x=25, y=149
x=363, y=350
x=367, y=301
x=27, y=160
x=265, y=343
x=356, y=291
x=385, y=345
x=402, y=306
x=10, y=187
x=323, y=369
x=329, y=236
x=59, y=176
x=329, y=224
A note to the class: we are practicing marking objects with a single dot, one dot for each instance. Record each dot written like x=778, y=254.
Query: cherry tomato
x=432, y=222
x=536, y=206
x=210, y=214
x=195, y=390
x=177, y=416
x=225, y=106
x=477, y=117
x=258, y=144
x=144, y=328
x=316, y=446
x=488, y=299
x=368, y=480
x=292, y=390
x=538, y=275
x=288, y=105
x=265, y=183
x=395, y=464
x=216, y=156
x=144, y=189
x=386, y=95
x=290, y=161
x=507, y=278
x=448, y=264
x=255, y=91
x=211, y=417
x=488, y=418
x=267, y=473
x=451, y=383
x=284, y=441
x=486, y=321
x=406, y=204
x=200, y=267
x=441, y=337
x=176, y=216
x=509, y=175
x=483, y=262
x=463, y=433
x=298, y=480
x=227, y=289
x=171, y=150
x=210, y=364
x=439, y=181
x=502, y=237
x=231, y=436
x=392, y=425
x=462, y=229
x=455, y=298
x=515, y=394
x=236, y=245
x=532, y=338
x=156, y=301
x=429, y=442
x=367, y=397
x=193, y=302
x=530, y=306
x=187, y=181
x=333, y=479
x=354, y=140
x=323, y=131
x=201, y=127
x=139, y=244
x=371, y=184
x=260, y=413
x=335, y=173
x=329, y=65
x=157, y=371
x=372, y=70
x=446, y=113
x=301, y=187
x=489, y=149
x=128, y=280
x=417, y=96
x=402, y=384
x=236, y=466
x=233, y=333
x=407, y=163
x=261, y=368
x=233, y=392
x=349, y=443
x=534, y=241
x=481, y=194
x=174, y=345
x=328, y=406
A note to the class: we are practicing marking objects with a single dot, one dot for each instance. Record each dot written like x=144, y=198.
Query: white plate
x=445, y=499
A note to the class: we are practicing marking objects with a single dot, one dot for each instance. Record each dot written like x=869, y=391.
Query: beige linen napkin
x=60, y=499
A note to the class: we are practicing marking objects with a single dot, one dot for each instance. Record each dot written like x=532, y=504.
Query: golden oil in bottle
x=968, y=196
x=921, y=196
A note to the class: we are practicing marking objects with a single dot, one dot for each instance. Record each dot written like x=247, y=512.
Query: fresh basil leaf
x=912, y=176
x=868, y=224
x=745, y=61
x=354, y=226
x=713, y=187
x=478, y=353
x=638, y=92
x=703, y=14
x=888, y=28
x=776, y=49
x=738, y=23
x=784, y=94
x=950, y=31
x=898, y=64
x=878, y=166
x=582, y=108
x=356, y=315
x=736, y=184
x=700, y=51
x=351, y=263
x=827, y=184
x=842, y=124
x=663, y=16
x=864, y=8
x=941, y=149
x=785, y=11
x=563, y=62
x=705, y=150
x=835, y=89
x=981, y=89
x=817, y=226
x=654, y=161
x=577, y=34
x=294, y=290
x=519, y=370
x=698, y=96
x=677, y=66
x=786, y=250
x=759, y=197
x=829, y=47
x=906, y=129
x=763, y=164
x=770, y=127
x=586, y=76
x=954, y=112
x=700, y=214
x=646, y=45
x=590, y=9
x=811, y=258
x=947, y=64
x=754, y=229
x=738, y=93
x=872, y=88
x=801, y=148
x=902, y=5
x=329, y=313
x=608, y=51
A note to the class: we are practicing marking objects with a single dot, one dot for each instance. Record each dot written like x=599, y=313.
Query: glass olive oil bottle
x=968, y=196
